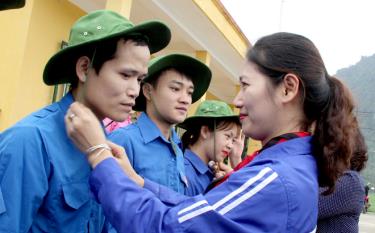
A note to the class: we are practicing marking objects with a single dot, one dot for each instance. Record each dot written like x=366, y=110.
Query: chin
x=119, y=117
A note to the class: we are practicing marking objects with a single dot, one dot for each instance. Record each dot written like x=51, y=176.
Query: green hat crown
x=213, y=108
x=96, y=26
x=93, y=28
x=209, y=109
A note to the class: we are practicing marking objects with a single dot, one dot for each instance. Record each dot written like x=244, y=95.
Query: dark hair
x=360, y=156
x=327, y=103
x=191, y=136
x=106, y=50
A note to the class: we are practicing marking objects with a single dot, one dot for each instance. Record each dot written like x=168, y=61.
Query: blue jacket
x=44, y=178
x=151, y=154
x=277, y=192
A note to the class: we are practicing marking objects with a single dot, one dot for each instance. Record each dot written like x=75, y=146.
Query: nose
x=185, y=97
x=230, y=144
x=238, y=100
x=133, y=87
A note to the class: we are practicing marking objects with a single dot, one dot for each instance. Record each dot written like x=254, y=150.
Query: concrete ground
x=367, y=223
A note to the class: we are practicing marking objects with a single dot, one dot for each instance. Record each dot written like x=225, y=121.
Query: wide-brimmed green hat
x=11, y=4
x=209, y=110
x=95, y=27
x=199, y=73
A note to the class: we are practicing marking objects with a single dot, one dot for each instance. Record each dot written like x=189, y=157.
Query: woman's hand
x=83, y=128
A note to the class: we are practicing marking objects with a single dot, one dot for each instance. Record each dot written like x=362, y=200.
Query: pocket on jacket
x=76, y=194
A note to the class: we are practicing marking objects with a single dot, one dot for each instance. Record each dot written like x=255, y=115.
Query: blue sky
x=342, y=30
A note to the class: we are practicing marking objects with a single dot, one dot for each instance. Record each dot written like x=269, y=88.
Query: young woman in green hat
x=209, y=136
x=306, y=122
x=43, y=175
x=173, y=83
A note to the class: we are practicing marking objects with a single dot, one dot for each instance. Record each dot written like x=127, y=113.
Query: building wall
x=34, y=34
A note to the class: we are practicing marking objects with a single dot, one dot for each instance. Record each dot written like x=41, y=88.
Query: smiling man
x=173, y=83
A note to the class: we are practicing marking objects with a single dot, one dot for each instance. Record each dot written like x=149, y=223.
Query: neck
x=164, y=127
x=199, y=150
x=290, y=129
x=78, y=96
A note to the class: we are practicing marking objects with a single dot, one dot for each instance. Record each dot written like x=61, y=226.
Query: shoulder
x=125, y=134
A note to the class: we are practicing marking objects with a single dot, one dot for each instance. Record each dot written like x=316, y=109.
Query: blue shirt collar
x=197, y=162
x=150, y=131
x=65, y=103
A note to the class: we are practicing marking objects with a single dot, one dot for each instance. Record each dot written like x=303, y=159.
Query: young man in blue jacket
x=43, y=176
x=153, y=147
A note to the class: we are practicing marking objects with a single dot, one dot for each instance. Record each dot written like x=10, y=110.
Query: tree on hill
x=361, y=80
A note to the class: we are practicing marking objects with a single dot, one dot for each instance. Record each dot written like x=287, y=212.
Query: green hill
x=361, y=80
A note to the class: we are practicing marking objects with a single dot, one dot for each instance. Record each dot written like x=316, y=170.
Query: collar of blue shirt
x=196, y=162
x=150, y=131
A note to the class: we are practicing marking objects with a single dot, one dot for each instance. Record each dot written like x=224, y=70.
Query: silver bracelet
x=94, y=157
x=99, y=146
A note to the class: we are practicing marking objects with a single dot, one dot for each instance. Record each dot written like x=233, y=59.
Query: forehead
x=172, y=75
x=132, y=51
x=251, y=73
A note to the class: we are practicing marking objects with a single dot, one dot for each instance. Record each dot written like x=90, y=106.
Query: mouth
x=242, y=116
x=225, y=153
x=182, y=109
x=128, y=105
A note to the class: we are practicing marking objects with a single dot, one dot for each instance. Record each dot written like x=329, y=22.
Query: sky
x=343, y=30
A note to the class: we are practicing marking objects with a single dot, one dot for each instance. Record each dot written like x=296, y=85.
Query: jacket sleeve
x=237, y=205
x=166, y=195
x=24, y=171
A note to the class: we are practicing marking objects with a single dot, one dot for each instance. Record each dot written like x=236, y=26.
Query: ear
x=82, y=68
x=146, y=89
x=205, y=132
x=289, y=87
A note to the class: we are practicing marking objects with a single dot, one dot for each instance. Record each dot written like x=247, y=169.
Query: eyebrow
x=132, y=72
x=181, y=84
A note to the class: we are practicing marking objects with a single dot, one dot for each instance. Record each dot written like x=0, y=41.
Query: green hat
x=199, y=73
x=11, y=4
x=209, y=110
x=95, y=27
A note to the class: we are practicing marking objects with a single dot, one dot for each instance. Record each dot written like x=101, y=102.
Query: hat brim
x=194, y=121
x=61, y=67
x=199, y=73
x=11, y=4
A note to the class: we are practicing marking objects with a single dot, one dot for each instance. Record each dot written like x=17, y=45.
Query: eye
x=175, y=89
x=244, y=84
x=125, y=75
x=190, y=93
x=140, y=79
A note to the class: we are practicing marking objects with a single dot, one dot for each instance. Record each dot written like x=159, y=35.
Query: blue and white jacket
x=277, y=192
